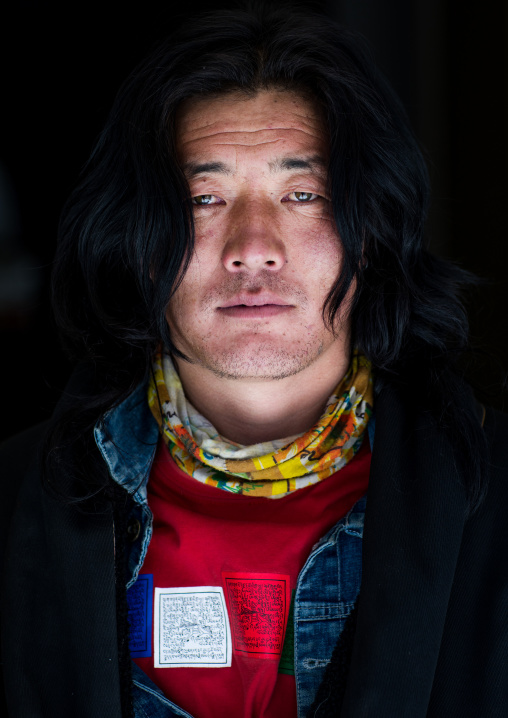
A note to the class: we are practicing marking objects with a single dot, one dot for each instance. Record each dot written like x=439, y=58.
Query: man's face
x=267, y=250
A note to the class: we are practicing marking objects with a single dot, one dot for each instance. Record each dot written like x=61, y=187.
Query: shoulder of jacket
x=496, y=429
x=17, y=455
x=18, y=450
x=495, y=502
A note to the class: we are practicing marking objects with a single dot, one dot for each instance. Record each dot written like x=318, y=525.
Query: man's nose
x=254, y=242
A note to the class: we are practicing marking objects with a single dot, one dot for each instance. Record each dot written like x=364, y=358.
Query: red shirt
x=235, y=561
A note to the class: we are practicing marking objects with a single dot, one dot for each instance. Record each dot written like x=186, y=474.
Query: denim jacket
x=327, y=586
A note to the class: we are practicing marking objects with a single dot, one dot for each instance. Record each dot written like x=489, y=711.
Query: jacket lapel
x=413, y=527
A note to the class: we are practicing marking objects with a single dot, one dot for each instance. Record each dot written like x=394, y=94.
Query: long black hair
x=126, y=233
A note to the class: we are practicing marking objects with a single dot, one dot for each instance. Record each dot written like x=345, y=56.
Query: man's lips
x=254, y=306
x=255, y=311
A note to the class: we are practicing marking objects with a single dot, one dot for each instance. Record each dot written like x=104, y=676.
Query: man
x=267, y=491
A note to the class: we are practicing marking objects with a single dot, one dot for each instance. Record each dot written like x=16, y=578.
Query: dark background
x=62, y=65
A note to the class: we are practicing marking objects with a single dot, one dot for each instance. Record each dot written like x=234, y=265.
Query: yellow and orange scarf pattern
x=271, y=469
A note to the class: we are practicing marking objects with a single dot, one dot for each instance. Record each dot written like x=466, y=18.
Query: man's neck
x=249, y=411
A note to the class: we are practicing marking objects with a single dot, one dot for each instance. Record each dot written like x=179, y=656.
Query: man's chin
x=260, y=364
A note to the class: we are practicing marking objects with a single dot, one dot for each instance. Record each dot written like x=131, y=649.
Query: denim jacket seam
x=350, y=527
x=319, y=548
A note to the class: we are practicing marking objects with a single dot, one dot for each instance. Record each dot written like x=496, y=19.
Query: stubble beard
x=263, y=362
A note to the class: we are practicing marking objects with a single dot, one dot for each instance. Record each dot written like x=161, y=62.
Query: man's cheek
x=208, y=224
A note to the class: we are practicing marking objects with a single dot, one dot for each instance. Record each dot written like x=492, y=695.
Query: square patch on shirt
x=191, y=628
x=258, y=605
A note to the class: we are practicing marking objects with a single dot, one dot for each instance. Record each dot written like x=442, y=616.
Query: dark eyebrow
x=281, y=164
x=298, y=163
x=192, y=169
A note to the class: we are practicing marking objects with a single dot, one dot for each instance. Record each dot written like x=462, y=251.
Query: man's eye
x=302, y=196
x=203, y=199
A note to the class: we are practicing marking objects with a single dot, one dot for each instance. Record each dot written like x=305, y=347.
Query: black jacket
x=432, y=628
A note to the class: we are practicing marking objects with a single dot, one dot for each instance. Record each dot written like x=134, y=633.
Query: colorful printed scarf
x=271, y=468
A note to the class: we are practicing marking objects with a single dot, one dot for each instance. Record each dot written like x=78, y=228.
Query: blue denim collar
x=127, y=439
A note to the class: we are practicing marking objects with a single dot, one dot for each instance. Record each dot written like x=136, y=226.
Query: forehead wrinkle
x=235, y=137
x=246, y=144
x=261, y=128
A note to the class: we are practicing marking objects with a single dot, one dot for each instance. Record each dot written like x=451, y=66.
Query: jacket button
x=133, y=530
